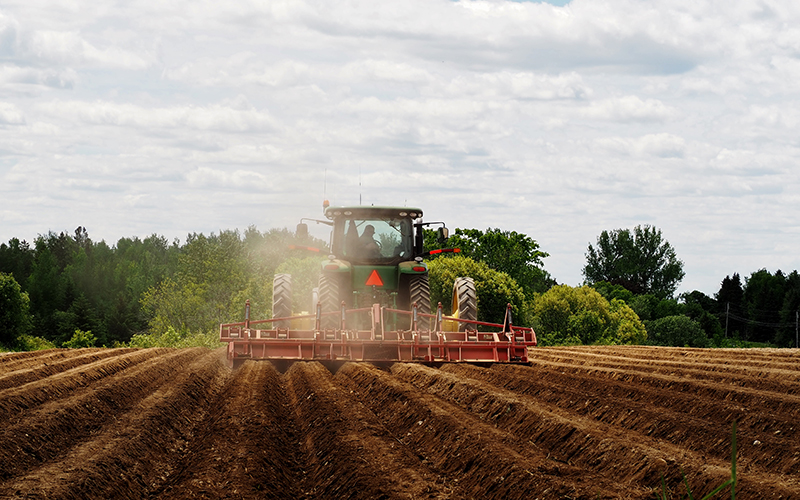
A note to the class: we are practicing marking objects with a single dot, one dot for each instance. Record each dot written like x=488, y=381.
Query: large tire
x=420, y=292
x=282, y=299
x=329, y=299
x=465, y=302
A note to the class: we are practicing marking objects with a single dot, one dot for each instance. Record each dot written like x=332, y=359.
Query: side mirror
x=444, y=233
x=302, y=230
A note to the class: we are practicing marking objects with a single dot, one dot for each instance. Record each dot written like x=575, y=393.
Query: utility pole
x=727, y=312
x=796, y=338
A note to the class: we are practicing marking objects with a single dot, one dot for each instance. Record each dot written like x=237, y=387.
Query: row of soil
x=10, y=362
x=731, y=369
x=46, y=366
x=49, y=418
x=674, y=416
x=164, y=423
x=475, y=457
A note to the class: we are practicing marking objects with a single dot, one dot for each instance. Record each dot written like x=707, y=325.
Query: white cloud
x=246, y=180
x=11, y=114
x=63, y=48
x=660, y=145
x=60, y=79
x=213, y=117
x=628, y=108
x=506, y=85
x=554, y=121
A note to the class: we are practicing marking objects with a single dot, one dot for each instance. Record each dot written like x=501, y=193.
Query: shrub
x=80, y=340
x=174, y=338
x=677, y=331
x=575, y=316
x=31, y=343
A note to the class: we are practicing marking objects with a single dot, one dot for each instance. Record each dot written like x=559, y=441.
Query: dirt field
x=596, y=422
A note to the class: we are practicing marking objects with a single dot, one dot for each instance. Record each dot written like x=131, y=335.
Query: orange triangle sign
x=374, y=279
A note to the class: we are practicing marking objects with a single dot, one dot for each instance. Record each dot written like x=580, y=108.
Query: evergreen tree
x=729, y=305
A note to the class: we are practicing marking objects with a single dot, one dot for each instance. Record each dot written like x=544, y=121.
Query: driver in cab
x=370, y=249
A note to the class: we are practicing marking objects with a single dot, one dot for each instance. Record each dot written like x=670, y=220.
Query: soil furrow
x=348, y=454
x=676, y=418
x=140, y=448
x=245, y=448
x=580, y=422
x=786, y=381
x=46, y=433
x=593, y=446
x=15, y=402
x=479, y=460
x=21, y=360
x=661, y=354
x=787, y=406
x=51, y=367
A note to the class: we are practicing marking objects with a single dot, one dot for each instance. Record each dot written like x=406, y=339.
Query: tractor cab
x=374, y=235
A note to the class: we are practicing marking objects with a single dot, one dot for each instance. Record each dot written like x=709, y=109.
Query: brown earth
x=581, y=422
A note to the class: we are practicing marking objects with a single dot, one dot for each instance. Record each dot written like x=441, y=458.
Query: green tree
x=494, y=289
x=729, y=304
x=16, y=258
x=15, y=318
x=787, y=334
x=702, y=308
x=50, y=291
x=509, y=252
x=611, y=292
x=569, y=315
x=640, y=260
x=763, y=300
x=678, y=331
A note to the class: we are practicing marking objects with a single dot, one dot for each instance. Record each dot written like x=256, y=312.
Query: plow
x=373, y=304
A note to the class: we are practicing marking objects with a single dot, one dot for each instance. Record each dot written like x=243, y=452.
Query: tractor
x=373, y=302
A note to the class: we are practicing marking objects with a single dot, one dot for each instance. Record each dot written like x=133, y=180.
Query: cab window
x=377, y=239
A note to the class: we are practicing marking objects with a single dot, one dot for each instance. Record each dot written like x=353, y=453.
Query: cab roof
x=369, y=212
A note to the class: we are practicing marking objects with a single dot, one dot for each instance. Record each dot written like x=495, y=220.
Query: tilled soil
x=581, y=422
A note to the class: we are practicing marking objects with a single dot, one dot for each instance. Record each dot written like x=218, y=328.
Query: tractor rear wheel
x=329, y=299
x=465, y=301
x=420, y=292
x=282, y=299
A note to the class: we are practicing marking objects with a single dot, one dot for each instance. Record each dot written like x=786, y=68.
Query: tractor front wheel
x=329, y=299
x=465, y=302
x=282, y=299
x=420, y=292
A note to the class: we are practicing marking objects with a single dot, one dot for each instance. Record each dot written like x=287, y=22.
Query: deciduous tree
x=15, y=320
x=510, y=252
x=640, y=260
x=569, y=315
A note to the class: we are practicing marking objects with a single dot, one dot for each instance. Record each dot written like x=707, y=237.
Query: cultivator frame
x=377, y=344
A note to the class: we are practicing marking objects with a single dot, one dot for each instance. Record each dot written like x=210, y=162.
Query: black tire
x=281, y=299
x=420, y=292
x=329, y=299
x=465, y=302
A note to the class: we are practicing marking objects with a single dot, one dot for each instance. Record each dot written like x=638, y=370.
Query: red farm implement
x=258, y=340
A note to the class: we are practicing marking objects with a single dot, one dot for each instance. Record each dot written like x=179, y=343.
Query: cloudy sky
x=558, y=120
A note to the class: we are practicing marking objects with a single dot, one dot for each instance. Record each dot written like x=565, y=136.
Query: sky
x=557, y=120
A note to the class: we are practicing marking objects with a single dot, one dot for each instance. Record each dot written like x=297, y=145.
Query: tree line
x=68, y=290
x=66, y=283
x=641, y=268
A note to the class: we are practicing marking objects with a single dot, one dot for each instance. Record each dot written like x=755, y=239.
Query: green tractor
x=376, y=258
